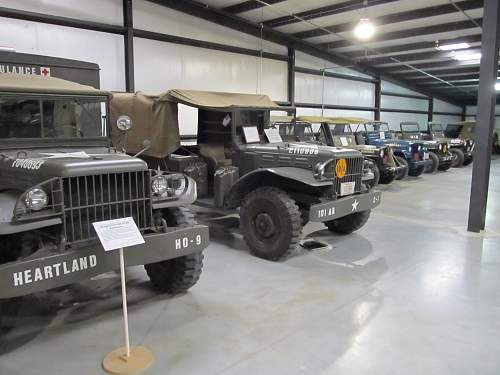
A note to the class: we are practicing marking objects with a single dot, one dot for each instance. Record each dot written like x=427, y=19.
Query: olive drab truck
x=244, y=167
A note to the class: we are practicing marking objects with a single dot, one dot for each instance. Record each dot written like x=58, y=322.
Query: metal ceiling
x=403, y=47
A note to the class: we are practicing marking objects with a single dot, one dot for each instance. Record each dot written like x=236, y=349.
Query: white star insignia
x=355, y=205
x=375, y=198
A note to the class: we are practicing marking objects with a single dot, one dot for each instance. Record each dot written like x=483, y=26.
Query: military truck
x=242, y=164
x=59, y=174
x=439, y=151
x=337, y=131
x=461, y=149
x=465, y=130
x=410, y=153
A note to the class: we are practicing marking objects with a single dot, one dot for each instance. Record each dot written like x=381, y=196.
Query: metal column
x=430, y=111
x=486, y=115
x=128, y=40
x=378, y=98
x=291, y=75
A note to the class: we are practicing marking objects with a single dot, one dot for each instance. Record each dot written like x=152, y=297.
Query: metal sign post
x=117, y=235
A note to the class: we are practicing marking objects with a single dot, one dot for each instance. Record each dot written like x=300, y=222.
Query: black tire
x=271, y=223
x=415, y=172
x=349, y=223
x=177, y=275
x=404, y=172
x=304, y=215
x=468, y=160
x=386, y=179
x=435, y=163
x=459, y=158
x=376, y=174
x=444, y=167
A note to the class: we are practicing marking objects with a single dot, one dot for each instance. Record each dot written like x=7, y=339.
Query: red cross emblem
x=45, y=71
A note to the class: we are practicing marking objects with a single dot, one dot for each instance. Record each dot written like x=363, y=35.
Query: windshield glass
x=437, y=128
x=297, y=131
x=52, y=118
x=377, y=127
x=339, y=129
x=413, y=128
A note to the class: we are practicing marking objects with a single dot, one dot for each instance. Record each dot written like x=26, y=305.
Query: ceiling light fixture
x=467, y=56
x=452, y=47
x=365, y=29
x=497, y=86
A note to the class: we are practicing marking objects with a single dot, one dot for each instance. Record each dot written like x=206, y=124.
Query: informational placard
x=382, y=135
x=347, y=188
x=273, y=135
x=251, y=134
x=343, y=141
x=118, y=233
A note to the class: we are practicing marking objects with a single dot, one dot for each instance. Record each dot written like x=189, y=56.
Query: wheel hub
x=264, y=225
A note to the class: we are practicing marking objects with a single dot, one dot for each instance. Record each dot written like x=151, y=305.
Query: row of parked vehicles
x=71, y=155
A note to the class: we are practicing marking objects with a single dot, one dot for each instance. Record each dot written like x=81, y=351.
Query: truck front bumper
x=413, y=164
x=341, y=207
x=46, y=270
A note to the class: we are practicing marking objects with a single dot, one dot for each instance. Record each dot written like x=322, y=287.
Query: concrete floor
x=410, y=293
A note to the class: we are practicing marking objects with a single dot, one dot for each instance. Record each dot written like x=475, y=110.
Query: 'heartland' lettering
x=55, y=270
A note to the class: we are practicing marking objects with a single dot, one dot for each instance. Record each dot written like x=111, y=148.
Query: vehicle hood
x=20, y=170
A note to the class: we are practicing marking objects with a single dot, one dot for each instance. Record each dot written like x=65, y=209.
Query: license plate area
x=347, y=188
x=426, y=155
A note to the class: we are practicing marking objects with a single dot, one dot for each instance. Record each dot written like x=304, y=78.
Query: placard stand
x=125, y=360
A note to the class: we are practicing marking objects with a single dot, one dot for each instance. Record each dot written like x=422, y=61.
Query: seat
x=214, y=155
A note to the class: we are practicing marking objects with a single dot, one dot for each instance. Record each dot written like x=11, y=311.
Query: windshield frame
x=11, y=143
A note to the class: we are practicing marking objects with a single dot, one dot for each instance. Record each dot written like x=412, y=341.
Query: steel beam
x=291, y=75
x=430, y=111
x=327, y=73
x=248, y=5
x=128, y=40
x=408, y=33
x=387, y=93
x=378, y=98
x=335, y=106
x=413, y=14
x=485, y=116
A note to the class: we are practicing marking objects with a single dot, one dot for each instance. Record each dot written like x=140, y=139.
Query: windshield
x=297, y=131
x=377, y=127
x=22, y=117
x=410, y=127
x=436, y=128
x=339, y=129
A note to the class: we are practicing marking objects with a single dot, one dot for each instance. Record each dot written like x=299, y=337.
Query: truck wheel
x=435, y=163
x=349, y=223
x=372, y=167
x=468, y=160
x=177, y=275
x=271, y=223
x=404, y=172
x=386, y=179
x=459, y=157
x=444, y=167
x=415, y=172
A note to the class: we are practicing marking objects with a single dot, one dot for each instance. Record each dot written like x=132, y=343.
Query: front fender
x=294, y=179
x=8, y=202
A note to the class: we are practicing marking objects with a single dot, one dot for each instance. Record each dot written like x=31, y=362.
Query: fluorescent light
x=467, y=56
x=364, y=29
x=452, y=47
x=497, y=86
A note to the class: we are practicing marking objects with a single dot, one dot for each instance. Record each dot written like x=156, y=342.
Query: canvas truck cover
x=333, y=120
x=221, y=100
x=153, y=118
x=35, y=84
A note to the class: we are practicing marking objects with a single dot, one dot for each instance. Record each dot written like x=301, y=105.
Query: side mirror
x=124, y=123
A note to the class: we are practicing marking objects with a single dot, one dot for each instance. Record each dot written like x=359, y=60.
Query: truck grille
x=353, y=174
x=88, y=199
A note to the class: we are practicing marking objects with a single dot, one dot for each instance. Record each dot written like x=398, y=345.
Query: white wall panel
x=397, y=102
x=162, y=66
x=105, y=11
x=391, y=87
x=335, y=113
x=152, y=17
x=395, y=118
x=58, y=41
x=445, y=119
x=441, y=106
x=304, y=60
x=472, y=110
x=309, y=89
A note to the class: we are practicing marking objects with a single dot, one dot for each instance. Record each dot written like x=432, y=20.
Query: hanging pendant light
x=365, y=29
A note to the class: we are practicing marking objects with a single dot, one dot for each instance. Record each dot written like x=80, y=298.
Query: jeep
x=277, y=185
x=461, y=149
x=465, y=130
x=337, y=131
x=414, y=155
x=439, y=151
x=59, y=175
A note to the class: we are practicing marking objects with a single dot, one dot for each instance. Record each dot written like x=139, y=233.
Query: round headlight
x=176, y=184
x=36, y=199
x=440, y=147
x=159, y=185
x=124, y=123
x=382, y=153
x=419, y=148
